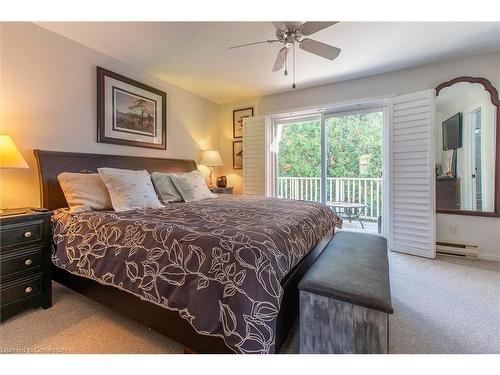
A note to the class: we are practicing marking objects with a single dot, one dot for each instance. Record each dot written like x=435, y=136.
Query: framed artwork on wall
x=129, y=112
x=237, y=154
x=238, y=116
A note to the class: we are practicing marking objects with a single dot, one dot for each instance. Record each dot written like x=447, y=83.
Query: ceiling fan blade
x=310, y=28
x=251, y=44
x=320, y=49
x=280, y=59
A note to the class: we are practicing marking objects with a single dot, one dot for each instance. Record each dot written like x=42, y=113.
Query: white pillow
x=84, y=192
x=192, y=186
x=129, y=189
x=165, y=187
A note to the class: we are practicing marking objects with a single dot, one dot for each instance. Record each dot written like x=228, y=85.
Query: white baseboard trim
x=491, y=257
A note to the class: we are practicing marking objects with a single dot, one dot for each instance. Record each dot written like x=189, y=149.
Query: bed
x=218, y=275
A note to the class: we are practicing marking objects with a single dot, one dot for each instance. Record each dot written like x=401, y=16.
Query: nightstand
x=25, y=262
x=222, y=190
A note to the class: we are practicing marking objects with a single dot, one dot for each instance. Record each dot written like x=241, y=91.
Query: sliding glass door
x=354, y=167
x=336, y=159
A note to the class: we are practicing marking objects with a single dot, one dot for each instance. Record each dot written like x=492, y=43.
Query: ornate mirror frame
x=496, y=102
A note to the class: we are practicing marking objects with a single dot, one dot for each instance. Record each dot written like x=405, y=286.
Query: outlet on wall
x=453, y=230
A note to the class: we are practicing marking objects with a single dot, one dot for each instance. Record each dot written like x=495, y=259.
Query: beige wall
x=234, y=176
x=484, y=232
x=48, y=99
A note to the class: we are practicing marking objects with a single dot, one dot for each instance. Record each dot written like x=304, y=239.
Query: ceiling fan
x=292, y=33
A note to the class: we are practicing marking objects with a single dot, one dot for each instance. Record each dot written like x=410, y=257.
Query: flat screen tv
x=452, y=132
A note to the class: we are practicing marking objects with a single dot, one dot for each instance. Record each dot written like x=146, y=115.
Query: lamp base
x=210, y=178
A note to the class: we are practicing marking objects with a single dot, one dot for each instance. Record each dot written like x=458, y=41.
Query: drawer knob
x=27, y=234
x=28, y=262
x=28, y=289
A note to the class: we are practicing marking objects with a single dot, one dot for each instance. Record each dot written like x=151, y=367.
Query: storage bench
x=345, y=297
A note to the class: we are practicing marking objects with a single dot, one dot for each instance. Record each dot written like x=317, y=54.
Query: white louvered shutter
x=255, y=156
x=413, y=189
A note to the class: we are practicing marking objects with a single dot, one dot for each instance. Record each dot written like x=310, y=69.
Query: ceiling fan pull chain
x=286, y=65
x=293, y=84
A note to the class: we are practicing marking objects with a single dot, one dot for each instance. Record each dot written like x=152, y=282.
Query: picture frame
x=238, y=116
x=237, y=154
x=130, y=113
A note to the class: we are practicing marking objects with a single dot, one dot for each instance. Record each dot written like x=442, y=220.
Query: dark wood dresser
x=447, y=193
x=25, y=262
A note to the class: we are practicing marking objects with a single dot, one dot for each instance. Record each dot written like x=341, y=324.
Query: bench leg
x=337, y=327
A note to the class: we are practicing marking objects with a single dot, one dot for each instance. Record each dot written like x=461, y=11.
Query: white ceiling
x=195, y=55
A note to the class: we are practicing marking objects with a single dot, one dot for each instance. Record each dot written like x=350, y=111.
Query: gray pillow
x=192, y=186
x=165, y=188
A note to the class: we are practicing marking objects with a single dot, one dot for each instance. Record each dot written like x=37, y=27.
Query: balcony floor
x=355, y=226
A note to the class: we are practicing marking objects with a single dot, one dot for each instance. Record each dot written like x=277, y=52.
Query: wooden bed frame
x=169, y=323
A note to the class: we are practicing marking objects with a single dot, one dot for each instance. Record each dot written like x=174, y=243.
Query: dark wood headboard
x=51, y=163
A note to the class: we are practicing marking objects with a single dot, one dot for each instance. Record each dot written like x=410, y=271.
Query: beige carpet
x=445, y=305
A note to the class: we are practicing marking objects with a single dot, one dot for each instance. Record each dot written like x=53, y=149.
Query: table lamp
x=10, y=157
x=211, y=158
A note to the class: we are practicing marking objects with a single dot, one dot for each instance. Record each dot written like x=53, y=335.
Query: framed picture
x=237, y=154
x=238, y=116
x=129, y=112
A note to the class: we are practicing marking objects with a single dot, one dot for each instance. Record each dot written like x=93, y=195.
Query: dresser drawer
x=28, y=260
x=28, y=233
x=19, y=289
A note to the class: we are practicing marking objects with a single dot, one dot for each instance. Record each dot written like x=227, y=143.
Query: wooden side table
x=222, y=190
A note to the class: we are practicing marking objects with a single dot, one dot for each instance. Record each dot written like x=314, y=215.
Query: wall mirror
x=467, y=147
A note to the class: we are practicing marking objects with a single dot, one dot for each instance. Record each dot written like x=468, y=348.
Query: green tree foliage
x=300, y=150
x=351, y=140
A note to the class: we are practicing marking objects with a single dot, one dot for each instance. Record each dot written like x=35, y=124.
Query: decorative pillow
x=165, y=187
x=129, y=189
x=192, y=186
x=84, y=192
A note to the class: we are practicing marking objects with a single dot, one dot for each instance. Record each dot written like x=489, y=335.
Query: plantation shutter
x=256, y=148
x=413, y=188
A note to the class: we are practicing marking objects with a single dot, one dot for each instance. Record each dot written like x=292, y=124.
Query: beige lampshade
x=10, y=157
x=211, y=158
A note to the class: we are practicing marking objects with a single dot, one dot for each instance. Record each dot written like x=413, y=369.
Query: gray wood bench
x=345, y=297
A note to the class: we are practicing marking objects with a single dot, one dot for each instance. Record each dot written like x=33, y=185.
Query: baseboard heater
x=457, y=250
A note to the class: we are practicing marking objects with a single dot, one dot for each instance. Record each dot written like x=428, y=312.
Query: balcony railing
x=367, y=191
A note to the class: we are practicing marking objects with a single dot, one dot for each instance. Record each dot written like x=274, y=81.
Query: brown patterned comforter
x=218, y=262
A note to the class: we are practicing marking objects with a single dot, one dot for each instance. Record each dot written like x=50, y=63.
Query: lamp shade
x=211, y=158
x=10, y=157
